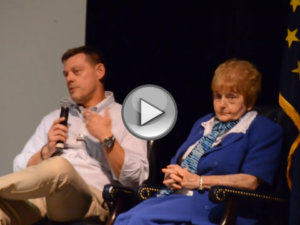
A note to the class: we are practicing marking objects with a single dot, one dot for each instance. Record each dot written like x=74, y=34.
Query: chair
x=120, y=198
x=275, y=202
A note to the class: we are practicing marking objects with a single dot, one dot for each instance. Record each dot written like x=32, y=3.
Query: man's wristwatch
x=108, y=142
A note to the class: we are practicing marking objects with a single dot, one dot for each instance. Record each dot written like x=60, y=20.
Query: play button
x=149, y=112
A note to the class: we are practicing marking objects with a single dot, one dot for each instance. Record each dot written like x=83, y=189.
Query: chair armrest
x=220, y=194
x=121, y=198
x=146, y=191
x=112, y=192
x=231, y=197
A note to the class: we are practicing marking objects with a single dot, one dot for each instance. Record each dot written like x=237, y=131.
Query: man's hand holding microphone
x=58, y=133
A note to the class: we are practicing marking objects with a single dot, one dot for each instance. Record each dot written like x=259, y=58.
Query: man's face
x=82, y=79
x=228, y=105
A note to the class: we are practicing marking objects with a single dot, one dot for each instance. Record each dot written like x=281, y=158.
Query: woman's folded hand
x=177, y=177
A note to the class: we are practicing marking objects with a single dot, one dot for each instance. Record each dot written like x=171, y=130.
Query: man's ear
x=100, y=69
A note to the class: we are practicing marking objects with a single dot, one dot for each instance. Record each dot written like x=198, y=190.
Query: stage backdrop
x=34, y=34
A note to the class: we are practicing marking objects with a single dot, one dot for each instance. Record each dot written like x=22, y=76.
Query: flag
x=289, y=96
x=289, y=101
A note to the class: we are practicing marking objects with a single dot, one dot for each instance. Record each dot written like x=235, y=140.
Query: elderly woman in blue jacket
x=234, y=146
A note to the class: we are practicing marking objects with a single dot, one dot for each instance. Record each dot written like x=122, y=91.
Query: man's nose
x=69, y=77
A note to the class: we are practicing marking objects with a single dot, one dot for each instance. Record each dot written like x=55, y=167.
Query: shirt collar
x=241, y=127
x=108, y=100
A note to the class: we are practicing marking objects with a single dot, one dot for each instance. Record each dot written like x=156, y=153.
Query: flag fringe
x=295, y=117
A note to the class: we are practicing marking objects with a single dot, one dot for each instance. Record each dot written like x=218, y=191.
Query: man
x=66, y=184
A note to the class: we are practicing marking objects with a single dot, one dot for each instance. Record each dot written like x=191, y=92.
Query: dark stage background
x=178, y=44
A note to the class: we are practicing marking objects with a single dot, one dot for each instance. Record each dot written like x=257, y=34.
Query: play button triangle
x=148, y=112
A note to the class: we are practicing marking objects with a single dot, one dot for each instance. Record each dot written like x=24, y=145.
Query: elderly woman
x=234, y=146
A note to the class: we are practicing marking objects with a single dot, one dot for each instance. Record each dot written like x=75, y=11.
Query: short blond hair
x=239, y=76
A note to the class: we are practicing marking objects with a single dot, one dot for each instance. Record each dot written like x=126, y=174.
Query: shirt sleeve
x=135, y=169
x=263, y=157
x=34, y=144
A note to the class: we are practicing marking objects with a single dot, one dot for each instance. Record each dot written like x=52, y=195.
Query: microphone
x=65, y=103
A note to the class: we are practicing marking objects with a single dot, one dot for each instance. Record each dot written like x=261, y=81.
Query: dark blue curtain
x=178, y=44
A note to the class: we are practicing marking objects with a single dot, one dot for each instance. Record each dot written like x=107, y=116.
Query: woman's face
x=228, y=105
